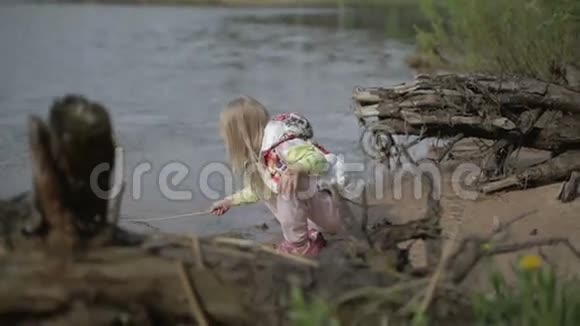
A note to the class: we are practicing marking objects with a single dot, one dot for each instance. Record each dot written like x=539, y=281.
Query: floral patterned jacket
x=287, y=143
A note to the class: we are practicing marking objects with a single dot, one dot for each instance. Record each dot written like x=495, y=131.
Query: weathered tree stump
x=72, y=160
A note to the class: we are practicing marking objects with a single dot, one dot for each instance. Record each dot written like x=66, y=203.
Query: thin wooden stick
x=402, y=150
x=230, y=252
x=508, y=248
x=194, y=304
x=504, y=226
x=294, y=258
x=196, y=250
x=164, y=218
x=234, y=241
x=439, y=271
x=408, y=307
x=146, y=224
x=449, y=147
x=494, y=186
x=460, y=272
x=370, y=291
x=114, y=206
x=569, y=189
x=365, y=212
x=251, y=244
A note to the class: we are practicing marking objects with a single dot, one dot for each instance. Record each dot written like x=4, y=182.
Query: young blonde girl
x=284, y=169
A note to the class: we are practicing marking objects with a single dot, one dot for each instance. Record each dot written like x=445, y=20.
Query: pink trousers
x=319, y=211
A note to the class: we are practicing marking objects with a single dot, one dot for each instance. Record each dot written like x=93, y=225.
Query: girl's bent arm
x=244, y=196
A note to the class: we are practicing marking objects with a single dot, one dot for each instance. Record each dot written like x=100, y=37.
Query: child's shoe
x=317, y=236
x=310, y=248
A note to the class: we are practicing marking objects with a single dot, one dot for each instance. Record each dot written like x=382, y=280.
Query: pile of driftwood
x=64, y=260
x=512, y=113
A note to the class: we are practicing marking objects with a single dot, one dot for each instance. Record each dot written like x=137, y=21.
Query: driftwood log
x=513, y=113
x=63, y=260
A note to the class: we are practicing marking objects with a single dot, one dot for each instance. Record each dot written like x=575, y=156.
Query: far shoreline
x=323, y=4
x=203, y=3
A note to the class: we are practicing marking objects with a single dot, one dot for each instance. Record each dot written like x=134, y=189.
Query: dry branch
x=555, y=169
x=570, y=188
x=514, y=113
x=477, y=106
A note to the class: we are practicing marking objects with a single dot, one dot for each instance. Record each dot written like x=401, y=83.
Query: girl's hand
x=221, y=207
x=289, y=183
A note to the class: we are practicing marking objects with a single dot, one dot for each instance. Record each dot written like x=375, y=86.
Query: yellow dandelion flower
x=486, y=247
x=530, y=262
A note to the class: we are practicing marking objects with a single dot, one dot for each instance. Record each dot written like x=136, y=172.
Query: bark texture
x=513, y=113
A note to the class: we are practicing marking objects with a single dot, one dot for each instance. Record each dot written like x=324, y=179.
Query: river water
x=166, y=72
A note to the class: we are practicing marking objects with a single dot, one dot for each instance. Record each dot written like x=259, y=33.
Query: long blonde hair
x=242, y=126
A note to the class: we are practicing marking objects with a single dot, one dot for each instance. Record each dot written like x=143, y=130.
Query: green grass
x=538, y=298
x=314, y=312
x=536, y=38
